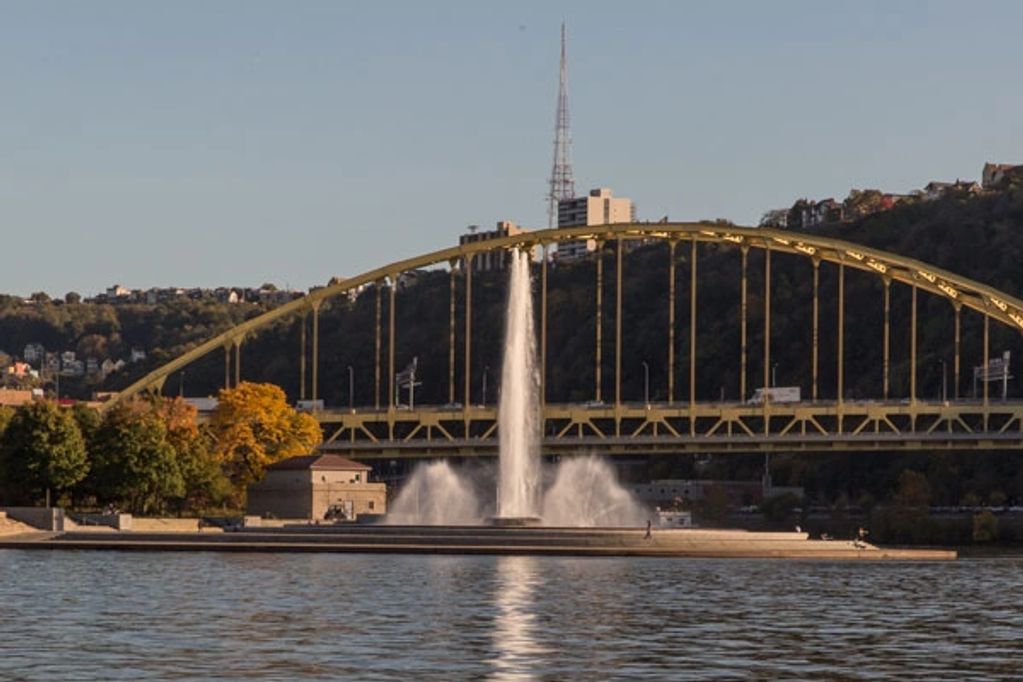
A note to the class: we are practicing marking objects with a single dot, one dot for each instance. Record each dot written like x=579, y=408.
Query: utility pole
x=351, y=389
x=562, y=185
x=646, y=383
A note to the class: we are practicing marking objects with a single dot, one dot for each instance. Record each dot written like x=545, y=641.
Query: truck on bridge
x=776, y=394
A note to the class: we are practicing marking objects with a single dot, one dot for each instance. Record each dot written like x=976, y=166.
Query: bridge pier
x=841, y=344
x=376, y=353
x=618, y=336
x=886, y=364
x=672, y=244
x=987, y=359
x=692, y=340
x=466, y=395
x=815, y=340
x=543, y=327
x=237, y=360
x=767, y=338
x=316, y=349
x=301, y=356
x=598, y=355
x=743, y=303
x=390, y=341
x=955, y=367
x=451, y=334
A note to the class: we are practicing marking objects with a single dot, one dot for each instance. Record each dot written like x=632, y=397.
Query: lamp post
x=486, y=370
x=351, y=389
x=774, y=375
x=646, y=383
x=944, y=380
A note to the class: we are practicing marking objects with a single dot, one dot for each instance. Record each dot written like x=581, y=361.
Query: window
x=371, y=505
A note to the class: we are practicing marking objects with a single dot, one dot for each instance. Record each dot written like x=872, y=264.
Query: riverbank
x=484, y=540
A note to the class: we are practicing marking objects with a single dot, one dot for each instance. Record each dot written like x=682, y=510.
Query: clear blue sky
x=205, y=143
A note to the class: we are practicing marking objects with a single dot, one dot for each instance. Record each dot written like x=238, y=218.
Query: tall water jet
x=518, y=483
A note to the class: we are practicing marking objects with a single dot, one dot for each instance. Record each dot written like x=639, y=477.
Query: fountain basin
x=515, y=521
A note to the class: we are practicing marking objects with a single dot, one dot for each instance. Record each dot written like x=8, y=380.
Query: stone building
x=316, y=487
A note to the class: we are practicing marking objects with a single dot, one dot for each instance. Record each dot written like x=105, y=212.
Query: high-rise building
x=598, y=208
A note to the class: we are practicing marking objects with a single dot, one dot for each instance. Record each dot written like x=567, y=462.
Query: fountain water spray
x=518, y=483
x=584, y=491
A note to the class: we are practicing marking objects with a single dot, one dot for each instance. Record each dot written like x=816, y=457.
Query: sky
x=196, y=143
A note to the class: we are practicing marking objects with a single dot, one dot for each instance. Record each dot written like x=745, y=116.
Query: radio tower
x=562, y=184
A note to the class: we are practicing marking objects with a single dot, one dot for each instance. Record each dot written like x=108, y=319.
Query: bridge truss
x=681, y=423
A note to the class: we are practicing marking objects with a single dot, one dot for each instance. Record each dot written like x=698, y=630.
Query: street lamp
x=486, y=369
x=944, y=380
x=774, y=375
x=646, y=383
x=351, y=389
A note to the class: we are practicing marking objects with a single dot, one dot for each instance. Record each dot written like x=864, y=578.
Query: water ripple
x=110, y=616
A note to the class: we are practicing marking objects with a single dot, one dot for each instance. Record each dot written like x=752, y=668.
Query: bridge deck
x=630, y=428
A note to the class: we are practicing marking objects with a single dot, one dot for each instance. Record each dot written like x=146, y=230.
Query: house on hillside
x=34, y=352
x=316, y=487
x=998, y=175
x=938, y=190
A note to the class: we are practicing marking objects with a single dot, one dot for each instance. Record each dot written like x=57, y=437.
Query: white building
x=597, y=208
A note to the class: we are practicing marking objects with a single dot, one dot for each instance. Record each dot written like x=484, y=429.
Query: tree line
x=149, y=455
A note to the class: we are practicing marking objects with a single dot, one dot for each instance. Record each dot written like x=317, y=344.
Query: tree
x=5, y=418
x=72, y=297
x=41, y=450
x=204, y=480
x=253, y=426
x=134, y=463
x=39, y=297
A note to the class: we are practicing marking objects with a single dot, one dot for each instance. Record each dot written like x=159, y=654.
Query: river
x=127, y=616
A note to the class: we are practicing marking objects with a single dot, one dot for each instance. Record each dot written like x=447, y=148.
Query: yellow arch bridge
x=607, y=424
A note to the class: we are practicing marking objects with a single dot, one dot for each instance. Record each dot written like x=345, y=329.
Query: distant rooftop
x=318, y=462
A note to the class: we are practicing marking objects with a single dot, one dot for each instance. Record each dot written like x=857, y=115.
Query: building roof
x=319, y=462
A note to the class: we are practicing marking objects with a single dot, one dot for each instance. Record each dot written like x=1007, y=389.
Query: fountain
x=581, y=510
x=518, y=481
x=583, y=492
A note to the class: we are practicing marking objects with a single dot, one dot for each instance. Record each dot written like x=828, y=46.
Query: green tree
x=253, y=426
x=88, y=420
x=42, y=450
x=134, y=464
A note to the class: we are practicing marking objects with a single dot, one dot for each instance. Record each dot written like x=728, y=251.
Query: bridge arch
x=961, y=292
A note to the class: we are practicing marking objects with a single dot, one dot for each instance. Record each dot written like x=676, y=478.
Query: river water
x=127, y=616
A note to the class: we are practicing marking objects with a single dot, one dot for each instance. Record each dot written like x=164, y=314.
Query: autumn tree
x=205, y=483
x=253, y=426
x=42, y=450
x=6, y=414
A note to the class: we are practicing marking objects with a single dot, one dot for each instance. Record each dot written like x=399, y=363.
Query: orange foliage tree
x=253, y=426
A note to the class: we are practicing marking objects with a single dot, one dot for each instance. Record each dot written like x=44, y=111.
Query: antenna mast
x=562, y=183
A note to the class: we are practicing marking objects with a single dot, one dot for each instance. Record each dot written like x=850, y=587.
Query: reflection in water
x=515, y=637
